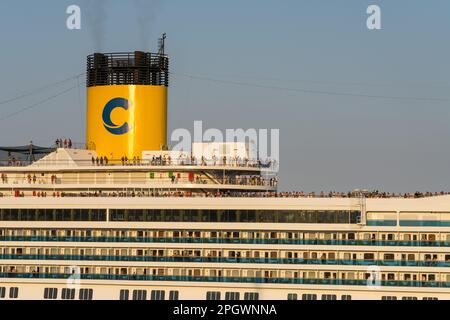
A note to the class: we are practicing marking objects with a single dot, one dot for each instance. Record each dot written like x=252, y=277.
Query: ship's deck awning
x=29, y=149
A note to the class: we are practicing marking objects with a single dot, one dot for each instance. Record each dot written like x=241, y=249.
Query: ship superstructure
x=126, y=218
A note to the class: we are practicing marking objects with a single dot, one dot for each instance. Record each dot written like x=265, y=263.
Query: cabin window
x=329, y=297
x=86, y=294
x=389, y=256
x=50, y=293
x=68, y=294
x=292, y=296
x=157, y=295
x=124, y=295
x=251, y=296
x=213, y=295
x=309, y=297
x=232, y=296
x=174, y=295
x=369, y=256
x=13, y=292
x=139, y=294
x=346, y=297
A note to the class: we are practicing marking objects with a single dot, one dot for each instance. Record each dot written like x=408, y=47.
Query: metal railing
x=202, y=259
x=123, y=277
x=127, y=68
x=104, y=239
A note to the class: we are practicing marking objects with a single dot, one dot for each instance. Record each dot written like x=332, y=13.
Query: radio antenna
x=161, y=44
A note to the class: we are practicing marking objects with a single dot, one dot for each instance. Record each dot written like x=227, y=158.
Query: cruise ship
x=122, y=217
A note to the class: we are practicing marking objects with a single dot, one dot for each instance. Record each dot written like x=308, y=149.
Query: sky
x=356, y=108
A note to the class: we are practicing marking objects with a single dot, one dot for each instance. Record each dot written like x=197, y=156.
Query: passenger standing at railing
x=70, y=143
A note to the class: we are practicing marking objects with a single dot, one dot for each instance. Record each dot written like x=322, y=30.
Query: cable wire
x=322, y=92
x=39, y=90
x=36, y=104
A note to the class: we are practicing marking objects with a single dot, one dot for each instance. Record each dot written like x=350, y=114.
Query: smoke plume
x=96, y=14
x=146, y=14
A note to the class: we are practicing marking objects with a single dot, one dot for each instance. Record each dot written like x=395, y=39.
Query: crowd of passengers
x=167, y=160
x=369, y=194
x=229, y=194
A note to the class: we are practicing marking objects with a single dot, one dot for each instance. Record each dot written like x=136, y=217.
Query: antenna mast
x=161, y=44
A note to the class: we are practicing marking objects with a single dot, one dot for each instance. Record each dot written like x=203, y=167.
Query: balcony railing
x=399, y=243
x=199, y=259
x=340, y=282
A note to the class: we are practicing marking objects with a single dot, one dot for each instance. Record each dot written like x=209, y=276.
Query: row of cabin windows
x=13, y=293
x=294, y=296
x=208, y=253
x=407, y=298
x=69, y=294
x=227, y=273
x=87, y=294
x=401, y=236
x=142, y=295
x=52, y=215
x=216, y=295
x=174, y=215
x=214, y=215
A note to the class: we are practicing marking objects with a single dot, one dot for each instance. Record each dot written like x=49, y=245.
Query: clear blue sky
x=328, y=142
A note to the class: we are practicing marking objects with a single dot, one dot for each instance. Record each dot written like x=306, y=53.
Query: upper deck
x=76, y=170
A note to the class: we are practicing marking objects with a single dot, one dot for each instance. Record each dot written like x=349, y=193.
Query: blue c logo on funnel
x=107, y=122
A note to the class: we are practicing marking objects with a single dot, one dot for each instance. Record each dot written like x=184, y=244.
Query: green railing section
x=190, y=259
x=394, y=243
